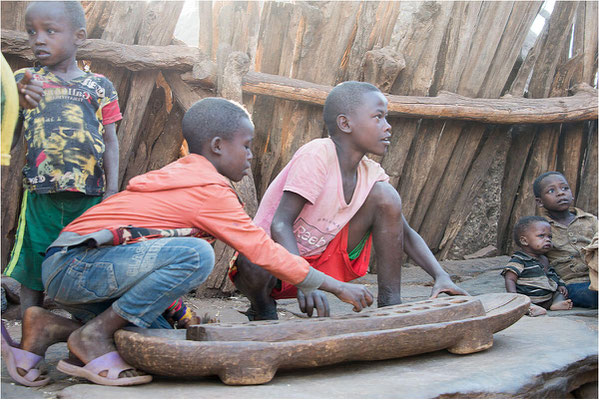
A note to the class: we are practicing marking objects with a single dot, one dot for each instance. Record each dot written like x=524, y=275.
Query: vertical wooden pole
x=157, y=29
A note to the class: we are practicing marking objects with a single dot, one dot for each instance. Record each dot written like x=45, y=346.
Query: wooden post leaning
x=251, y=353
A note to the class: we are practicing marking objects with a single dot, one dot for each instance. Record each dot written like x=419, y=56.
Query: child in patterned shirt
x=529, y=273
x=72, y=149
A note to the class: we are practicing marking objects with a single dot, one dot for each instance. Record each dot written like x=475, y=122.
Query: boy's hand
x=563, y=291
x=357, y=295
x=444, y=284
x=315, y=299
x=30, y=91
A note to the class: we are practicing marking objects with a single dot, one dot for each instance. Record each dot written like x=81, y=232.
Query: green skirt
x=42, y=218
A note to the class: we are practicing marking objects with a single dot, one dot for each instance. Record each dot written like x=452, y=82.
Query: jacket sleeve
x=223, y=216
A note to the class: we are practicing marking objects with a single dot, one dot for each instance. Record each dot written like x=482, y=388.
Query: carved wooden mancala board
x=251, y=353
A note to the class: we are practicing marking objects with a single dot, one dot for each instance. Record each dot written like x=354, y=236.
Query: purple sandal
x=112, y=363
x=17, y=358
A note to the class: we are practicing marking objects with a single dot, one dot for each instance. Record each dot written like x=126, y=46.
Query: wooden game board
x=252, y=352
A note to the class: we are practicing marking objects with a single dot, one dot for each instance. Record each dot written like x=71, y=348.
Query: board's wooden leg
x=245, y=375
x=477, y=339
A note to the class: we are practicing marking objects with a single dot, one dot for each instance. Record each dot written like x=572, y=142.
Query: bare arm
x=416, y=248
x=111, y=160
x=510, y=281
x=281, y=227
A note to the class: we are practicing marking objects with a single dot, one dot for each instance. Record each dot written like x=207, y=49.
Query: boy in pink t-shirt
x=331, y=202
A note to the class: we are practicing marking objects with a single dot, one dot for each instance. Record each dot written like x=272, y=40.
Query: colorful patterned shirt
x=65, y=147
x=567, y=256
x=532, y=280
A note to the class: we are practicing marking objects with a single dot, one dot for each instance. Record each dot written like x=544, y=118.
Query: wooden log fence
x=510, y=110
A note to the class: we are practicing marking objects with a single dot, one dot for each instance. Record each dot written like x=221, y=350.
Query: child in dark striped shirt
x=529, y=273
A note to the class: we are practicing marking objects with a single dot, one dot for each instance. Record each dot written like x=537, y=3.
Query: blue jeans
x=138, y=280
x=581, y=295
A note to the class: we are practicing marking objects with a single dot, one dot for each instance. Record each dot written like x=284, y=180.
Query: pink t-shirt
x=314, y=174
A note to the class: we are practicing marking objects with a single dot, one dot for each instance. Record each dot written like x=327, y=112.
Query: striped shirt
x=532, y=280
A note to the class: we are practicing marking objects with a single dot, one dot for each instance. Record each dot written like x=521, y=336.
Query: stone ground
x=567, y=341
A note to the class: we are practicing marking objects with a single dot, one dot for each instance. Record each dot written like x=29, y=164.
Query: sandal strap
x=32, y=374
x=111, y=362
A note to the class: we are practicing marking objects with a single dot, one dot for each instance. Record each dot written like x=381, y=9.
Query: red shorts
x=335, y=262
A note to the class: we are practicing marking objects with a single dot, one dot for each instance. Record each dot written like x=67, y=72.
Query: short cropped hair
x=523, y=224
x=343, y=99
x=211, y=117
x=536, y=186
x=74, y=12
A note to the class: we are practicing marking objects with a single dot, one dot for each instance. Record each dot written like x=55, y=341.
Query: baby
x=529, y=273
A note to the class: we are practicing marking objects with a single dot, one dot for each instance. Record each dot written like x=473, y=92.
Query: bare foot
x=561, y=305
x=535, y=311
x=95, y=338
x=41, y=329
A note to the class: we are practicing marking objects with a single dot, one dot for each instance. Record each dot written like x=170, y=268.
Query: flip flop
x=17, y=358
x=7, y=337
x=110, y=362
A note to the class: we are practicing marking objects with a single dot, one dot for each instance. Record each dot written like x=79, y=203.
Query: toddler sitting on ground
x=529, y=273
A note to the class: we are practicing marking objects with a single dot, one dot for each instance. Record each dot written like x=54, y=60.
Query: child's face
x=555, y=193
x=370, y=129
x=51, y=35
x=236, y=154
x=537, y=237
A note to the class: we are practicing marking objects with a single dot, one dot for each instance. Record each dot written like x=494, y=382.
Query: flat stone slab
x=538, y=357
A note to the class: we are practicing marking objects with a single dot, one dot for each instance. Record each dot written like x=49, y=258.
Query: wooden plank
x=435, y=221
x=122, y=26
x=587, y=195
x=493, y=63
x=152, y=124
x=243, y=34
x=455, y=49
x=590, y=42
x=512, y=39
x=157, y=28
x=571, y=149
x=434, y=144
x=490, y=27
x=572, y=138
x=97, y=14
x=492, y=20
x=205, y=31
x=446, y=146
x=517, y=156
x=420, y=160
x=478, y=174
x=373, y=30
x=12, y=15
x=419, y=36
x=560, y=25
